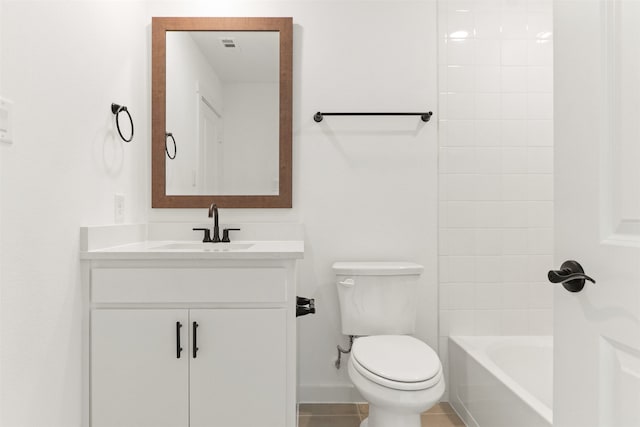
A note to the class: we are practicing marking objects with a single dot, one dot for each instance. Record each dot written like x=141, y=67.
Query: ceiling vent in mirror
x=228, y=42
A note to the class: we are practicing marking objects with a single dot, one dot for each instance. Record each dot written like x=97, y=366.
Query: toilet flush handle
x=348, y=283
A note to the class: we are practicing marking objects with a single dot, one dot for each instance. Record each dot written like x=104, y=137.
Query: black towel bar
x=425, y=117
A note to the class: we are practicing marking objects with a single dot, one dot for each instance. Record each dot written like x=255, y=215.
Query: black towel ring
x=168, y=135
x=117, y=109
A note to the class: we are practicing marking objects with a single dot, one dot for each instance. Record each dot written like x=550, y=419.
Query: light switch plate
x=6, y=108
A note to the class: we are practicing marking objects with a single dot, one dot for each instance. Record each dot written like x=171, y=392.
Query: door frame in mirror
x=159, y=28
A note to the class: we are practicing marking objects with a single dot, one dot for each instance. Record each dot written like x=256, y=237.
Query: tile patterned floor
x=350, y=415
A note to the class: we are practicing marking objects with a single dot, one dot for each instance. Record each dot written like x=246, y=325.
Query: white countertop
x=157, y=249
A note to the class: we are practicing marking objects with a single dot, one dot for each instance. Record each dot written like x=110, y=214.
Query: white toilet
x=399, y=375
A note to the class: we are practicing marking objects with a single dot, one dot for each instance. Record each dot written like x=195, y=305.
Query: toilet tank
x=377, y=298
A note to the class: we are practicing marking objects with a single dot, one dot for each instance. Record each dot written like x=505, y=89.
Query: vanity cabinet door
x=238, y=375
x=137, y=378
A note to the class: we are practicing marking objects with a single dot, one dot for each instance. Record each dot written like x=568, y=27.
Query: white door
x=211, y=152
x=597, y=211
x=239, y=372
x=137, y=376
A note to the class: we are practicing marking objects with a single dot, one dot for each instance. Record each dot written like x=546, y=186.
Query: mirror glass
x=222, y=109
x=221, y=112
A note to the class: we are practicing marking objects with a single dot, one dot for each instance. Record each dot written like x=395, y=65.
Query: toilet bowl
x=400, y=376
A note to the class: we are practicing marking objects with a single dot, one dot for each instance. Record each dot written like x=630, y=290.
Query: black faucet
x=213, y=212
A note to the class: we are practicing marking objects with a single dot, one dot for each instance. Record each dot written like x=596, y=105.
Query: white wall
x=187, y=69
x=1, y=92
x=63, y=64
x=366, y=187
x=251, y=126
x=496, y=165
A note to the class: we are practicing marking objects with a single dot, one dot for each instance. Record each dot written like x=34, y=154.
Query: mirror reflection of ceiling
x=254, y=57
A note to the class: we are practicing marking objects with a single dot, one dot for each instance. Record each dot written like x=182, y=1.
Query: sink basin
x=203, y=247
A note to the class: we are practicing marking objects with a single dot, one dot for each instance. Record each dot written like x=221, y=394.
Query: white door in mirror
x=6, y=108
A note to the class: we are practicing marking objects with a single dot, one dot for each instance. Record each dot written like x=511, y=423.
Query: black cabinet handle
x=571, y=275
x=195, y=339
x=178, y=347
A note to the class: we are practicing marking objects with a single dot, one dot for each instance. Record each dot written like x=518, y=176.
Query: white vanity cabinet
x=178, y=342
x=238, y=376
x=136, y=379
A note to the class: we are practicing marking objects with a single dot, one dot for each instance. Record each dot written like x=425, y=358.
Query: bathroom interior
x=527, y=161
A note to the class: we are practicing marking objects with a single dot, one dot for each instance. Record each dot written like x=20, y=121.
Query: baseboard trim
x=333, y=393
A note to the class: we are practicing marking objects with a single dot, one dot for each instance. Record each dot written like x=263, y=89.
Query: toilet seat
x=398, y=362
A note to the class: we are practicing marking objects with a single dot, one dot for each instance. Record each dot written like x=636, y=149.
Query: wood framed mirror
x=221, y=112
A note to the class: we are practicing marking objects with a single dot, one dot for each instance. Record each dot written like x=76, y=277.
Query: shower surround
x=495, y=167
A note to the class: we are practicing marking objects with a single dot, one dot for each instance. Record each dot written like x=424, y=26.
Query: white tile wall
x=496, y=165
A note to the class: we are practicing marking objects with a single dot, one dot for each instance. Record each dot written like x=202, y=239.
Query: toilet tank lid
x=360, y=268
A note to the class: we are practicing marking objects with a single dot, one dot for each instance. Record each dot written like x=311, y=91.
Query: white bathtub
x=502, y=381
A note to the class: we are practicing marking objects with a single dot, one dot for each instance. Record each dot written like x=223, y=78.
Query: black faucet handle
x=207, y=234
x=225, y=234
